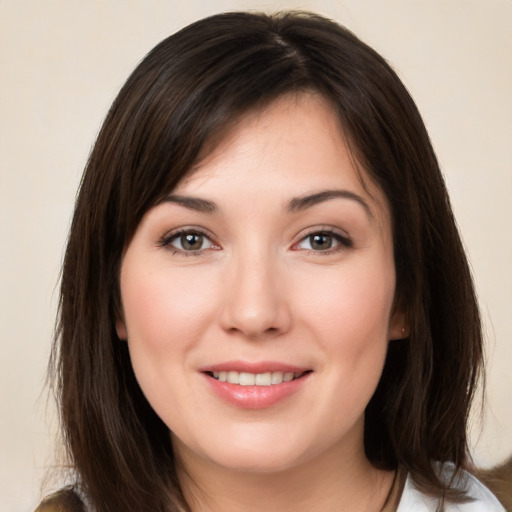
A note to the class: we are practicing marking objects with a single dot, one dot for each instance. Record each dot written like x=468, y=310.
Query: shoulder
x=482, y=500
x=499, y=480
x=65, y=500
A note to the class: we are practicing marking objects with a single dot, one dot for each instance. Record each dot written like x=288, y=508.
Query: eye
x=323, y=241
x=188, y=241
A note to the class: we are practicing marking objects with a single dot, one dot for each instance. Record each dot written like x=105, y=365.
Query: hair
x=499, y=480
x=184, y=93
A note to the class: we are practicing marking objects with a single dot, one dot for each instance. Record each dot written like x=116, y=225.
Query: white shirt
x=413, y=500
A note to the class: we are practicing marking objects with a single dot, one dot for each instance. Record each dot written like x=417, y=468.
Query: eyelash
x=342, y=241
x=168, y=239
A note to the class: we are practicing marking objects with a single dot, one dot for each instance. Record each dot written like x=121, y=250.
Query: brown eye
x=324, y=241
x=320, y=241
x=189, y=241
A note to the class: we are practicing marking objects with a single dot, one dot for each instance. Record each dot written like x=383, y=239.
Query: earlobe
x=398, y=326
x=121, y=329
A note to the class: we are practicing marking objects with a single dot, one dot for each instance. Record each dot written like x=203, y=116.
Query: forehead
x=293, y=146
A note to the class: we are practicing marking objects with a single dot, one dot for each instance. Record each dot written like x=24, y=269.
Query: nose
x=256, y=303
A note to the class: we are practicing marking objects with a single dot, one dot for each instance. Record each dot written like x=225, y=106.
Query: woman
x=265, y=302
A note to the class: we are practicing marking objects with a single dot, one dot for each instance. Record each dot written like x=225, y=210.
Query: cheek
x=166, y=314
x=165, y=308
x=353, y=306
x=354, y=329
x=350, y=318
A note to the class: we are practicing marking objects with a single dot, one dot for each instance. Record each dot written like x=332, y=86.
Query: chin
x=258, y=463
x=261, y=454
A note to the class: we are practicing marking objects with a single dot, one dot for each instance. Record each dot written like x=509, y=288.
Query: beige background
x=63, y=61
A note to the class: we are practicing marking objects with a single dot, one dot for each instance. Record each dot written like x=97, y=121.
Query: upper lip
x=253, y=367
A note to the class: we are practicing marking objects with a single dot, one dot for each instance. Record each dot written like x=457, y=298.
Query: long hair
x=172, y=109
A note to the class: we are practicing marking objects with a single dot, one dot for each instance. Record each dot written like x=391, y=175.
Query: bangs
x=184, y=112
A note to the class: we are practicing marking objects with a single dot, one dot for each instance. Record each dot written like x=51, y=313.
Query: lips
x=254, y=385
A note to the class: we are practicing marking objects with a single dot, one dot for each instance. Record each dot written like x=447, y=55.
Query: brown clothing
x=65, y=500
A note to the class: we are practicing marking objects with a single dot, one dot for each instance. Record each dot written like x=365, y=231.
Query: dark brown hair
x=182, y=95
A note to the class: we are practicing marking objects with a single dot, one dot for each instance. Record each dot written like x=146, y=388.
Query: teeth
x=263, y=379
x=287, y=377
x=255, y=379
x=247, y=379
x=277, y=377
x=234, y=377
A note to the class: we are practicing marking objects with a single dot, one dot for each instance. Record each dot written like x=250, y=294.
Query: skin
x=255, y=287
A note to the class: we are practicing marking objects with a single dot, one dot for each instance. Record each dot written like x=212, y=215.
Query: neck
x=326, y=483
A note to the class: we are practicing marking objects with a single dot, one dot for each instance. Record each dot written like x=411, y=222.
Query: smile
x=255, y=385
x=255, y=379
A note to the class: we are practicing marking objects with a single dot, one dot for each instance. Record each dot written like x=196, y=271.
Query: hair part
x=174, y=107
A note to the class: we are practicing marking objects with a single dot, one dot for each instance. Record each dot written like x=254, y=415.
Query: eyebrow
x=302, y=203
x=192, y=203
x=297, y=204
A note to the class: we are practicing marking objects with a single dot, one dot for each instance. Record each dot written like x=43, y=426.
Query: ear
x=121, y=329
x=399, y=327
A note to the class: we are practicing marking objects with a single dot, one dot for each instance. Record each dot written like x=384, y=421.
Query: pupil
x=321, y=242
x=191, y=241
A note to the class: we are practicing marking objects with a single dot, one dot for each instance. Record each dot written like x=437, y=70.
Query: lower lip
x=255, y=397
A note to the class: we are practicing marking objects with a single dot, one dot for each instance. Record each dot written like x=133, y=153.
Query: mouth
x=255, y=385
x=256, y=379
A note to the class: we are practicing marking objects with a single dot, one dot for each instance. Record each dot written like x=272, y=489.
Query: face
x=258, y=298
